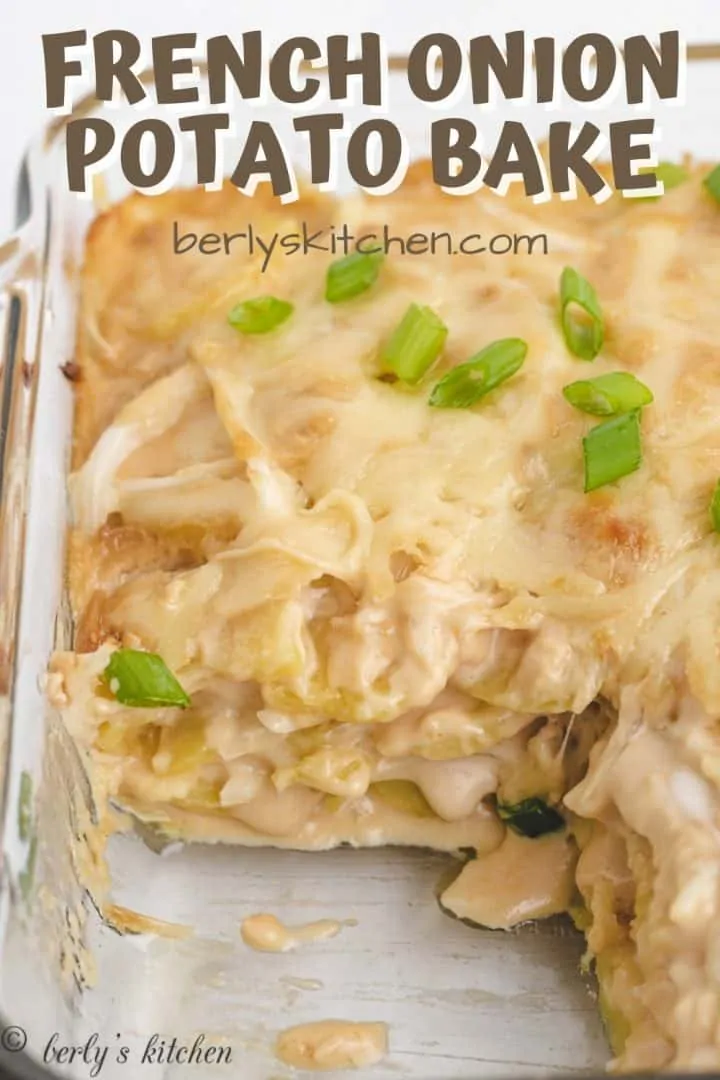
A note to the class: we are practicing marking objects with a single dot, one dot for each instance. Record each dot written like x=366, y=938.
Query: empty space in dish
x=459, y=1001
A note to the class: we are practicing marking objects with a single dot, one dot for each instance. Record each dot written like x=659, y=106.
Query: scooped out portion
x=390, y=550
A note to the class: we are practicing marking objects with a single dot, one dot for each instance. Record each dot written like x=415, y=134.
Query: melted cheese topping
x=388, y=615
x=332, y=1044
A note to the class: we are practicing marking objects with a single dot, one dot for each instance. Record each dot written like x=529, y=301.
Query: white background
x=22, y=22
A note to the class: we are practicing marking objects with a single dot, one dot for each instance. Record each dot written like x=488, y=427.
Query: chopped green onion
x=260, y=315
x=612, y=450
x=581, y=315
x=25, y=806
x=715, y=508
x=712, y=183
x=467, y=383
x=352, y=275
x=415, y=344
x=608, y=395
x=143, y=680
x=671, y=175
x=531, y=817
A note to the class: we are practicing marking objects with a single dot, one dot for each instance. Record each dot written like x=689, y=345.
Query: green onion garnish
x=612, y=450
x=608, y=395
x=415, y=343
x=715, y=508
x=531, y=817
x=352, y=275
x=260, y=315
x=582, y=319
x=25, y=806
x=143, y=680
x=712, y=183
x=671, y=175
x=467, y=383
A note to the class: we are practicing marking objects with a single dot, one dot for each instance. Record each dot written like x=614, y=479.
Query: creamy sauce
x=670, y=826
x=266, y=933
x=523, y=879
x=333, y=1044
x=133, y=922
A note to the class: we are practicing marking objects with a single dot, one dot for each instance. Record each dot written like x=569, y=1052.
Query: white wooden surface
x=460, y=1002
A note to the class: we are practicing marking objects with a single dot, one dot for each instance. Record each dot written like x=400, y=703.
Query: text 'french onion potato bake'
x=388, y=548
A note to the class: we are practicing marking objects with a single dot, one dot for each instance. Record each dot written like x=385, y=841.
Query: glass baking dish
x=460, y=1002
